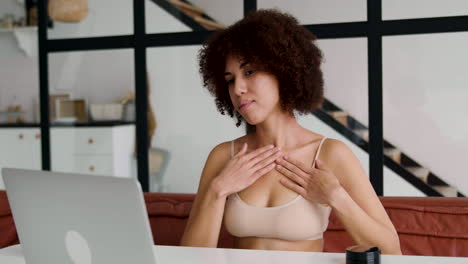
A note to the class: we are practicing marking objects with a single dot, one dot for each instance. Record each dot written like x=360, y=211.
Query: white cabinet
x=20, y=148
x=88, y=150
x=93, y=150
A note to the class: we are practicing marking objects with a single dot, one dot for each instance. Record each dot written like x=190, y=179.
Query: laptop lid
x=80, y=219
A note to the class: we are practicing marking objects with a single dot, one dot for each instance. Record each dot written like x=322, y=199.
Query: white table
x=181, y=255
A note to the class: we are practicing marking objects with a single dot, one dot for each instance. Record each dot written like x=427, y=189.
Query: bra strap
x=318, y=150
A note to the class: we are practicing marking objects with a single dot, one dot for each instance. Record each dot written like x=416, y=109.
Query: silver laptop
x=73, y=218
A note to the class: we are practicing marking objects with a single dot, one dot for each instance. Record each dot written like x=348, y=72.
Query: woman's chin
x=252, y=122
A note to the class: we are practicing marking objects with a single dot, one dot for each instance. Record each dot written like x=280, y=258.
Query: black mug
x=361, y=255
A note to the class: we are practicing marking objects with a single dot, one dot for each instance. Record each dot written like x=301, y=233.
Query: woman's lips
x=245, y=106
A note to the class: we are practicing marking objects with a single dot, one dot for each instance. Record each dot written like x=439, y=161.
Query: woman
x=276, y=186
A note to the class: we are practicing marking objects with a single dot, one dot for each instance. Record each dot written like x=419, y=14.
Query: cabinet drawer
x=93, y=141
x=94, y=164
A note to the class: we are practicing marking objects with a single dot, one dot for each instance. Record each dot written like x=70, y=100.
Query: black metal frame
x=374, y=29
x=375, y=104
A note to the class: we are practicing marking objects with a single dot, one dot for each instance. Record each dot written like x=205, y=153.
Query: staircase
x=190, y=15
x=400, y=163
x=410, y=170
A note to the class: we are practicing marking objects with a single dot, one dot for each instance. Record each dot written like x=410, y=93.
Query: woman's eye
x=229, y=82
x=250, y=72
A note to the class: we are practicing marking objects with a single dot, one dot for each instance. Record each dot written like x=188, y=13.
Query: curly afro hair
x=275, y=43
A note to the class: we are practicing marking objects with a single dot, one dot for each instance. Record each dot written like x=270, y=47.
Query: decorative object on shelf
x=20, y=22
x=106, y=112
x=24, y=29
x=70, y=11
x=13, y=115
x=9, y=21
x=27, y=39
x=31, y=12
x=67, y=110
x=53, y=98
x=129, y=111
x=128, y=101
x=127, y=98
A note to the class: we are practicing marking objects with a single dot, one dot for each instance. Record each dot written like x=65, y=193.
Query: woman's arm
x=204, y=223
x=356, y=203
x=342, y=184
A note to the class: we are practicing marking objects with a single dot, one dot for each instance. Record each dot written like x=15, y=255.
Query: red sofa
x=432, y=226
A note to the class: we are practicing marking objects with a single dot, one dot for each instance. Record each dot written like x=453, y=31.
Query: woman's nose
x=240, y=86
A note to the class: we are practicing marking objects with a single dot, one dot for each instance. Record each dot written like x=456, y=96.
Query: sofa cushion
x=426, y=225
x=432, y=226
x=8, y=234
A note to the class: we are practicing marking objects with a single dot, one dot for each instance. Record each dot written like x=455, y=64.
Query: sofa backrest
x=431, y=226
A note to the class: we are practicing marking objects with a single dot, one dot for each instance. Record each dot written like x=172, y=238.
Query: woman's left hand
x=314, y=184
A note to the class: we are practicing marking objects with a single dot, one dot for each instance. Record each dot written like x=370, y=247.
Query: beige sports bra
x=298, y=219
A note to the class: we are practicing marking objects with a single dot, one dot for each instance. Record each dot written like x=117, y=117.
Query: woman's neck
x=280, y=130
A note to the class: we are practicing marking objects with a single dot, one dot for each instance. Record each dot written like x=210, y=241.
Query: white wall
x=345, y=74
x=307, y=12
x=320, y=11
x=426, y=101
x=404, y=9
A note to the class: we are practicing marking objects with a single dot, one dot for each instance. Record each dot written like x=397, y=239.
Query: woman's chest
x=267, y=191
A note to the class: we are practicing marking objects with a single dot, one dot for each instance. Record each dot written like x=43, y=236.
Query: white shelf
x=29, y=28
x=26, y=37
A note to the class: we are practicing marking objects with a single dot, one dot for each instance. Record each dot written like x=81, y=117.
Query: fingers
x=261, y=159
x=259, y=173
x=292, y=176
x=267, y=161
x=321, y=165
x=258, y=152
x=292, y=186
x=303, y=167
x=243, y=150
x=292, y=167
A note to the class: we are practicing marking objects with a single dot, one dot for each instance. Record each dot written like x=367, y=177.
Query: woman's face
x=254, y=94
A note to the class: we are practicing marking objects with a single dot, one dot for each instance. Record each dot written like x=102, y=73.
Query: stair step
x=393, y=153
x=434, y=180
x=186, y=6
x=363, y=133
x=420, y=172
x=446, y=191
x=188, y=12
x=340, y=116
x=208, y=24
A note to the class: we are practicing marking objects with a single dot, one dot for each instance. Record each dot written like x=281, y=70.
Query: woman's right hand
x=243, y=169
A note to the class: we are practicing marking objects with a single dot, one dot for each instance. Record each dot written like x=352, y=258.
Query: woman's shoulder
x=335, y=148
x=223, y=149
x=337, y=153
